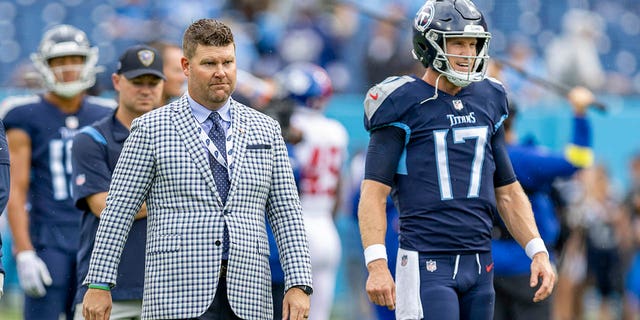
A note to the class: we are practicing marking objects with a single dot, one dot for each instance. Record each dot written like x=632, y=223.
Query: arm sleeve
x=383, y=154
x=504, y=174
x=90, y=171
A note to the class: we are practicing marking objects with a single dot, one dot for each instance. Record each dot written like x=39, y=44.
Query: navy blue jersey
x=4, y=178
x=51, y=131
x=444, y=184
x=100, y=146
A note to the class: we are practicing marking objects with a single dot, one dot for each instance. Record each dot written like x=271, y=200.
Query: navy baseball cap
x=140, y=60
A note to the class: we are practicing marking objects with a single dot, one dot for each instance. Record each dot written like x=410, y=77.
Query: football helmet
x=440, y=20
x=306, y=84
x=60, y=41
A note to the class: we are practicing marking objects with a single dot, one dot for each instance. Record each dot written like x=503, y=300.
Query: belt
x=223, y=268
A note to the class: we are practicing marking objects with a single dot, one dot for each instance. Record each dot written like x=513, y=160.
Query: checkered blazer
x=164, y=163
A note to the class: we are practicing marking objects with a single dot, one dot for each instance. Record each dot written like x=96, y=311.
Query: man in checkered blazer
x=207, y=254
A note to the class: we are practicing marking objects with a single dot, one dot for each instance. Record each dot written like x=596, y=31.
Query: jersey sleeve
x=4, y=169
x=379, y=107
x=538, y=167
x=17, y=118
x=501, y=104
x=383, y=154
x=90, y=173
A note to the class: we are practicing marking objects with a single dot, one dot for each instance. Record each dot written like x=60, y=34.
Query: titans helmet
x=306, y=84
x=61, y=41
x=440, y=20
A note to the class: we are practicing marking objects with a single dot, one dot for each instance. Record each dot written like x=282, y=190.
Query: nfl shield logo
x=81, y=179
x=431, y=266
x=457, y=104
x=403, y=260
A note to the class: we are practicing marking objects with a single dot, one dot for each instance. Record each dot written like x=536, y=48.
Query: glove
x=1, y=285
x=32, y=273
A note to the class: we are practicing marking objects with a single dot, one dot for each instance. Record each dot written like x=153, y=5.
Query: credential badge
x=431, y=266
x=457, y=104
x=146, y=57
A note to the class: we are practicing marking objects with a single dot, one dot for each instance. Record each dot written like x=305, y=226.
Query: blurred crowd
x=358, y=42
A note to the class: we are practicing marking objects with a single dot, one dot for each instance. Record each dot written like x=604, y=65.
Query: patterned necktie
x=220, y=173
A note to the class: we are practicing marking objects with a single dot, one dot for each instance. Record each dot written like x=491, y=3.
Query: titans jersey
x=51, y=132
x=444, y=184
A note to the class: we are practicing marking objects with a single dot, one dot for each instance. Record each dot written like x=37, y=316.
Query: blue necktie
x=220, y=173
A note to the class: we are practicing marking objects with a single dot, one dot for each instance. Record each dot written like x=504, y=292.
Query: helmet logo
x=146, y=57
x=424, y=17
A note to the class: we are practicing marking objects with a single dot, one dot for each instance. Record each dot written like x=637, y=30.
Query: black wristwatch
x=306, y=289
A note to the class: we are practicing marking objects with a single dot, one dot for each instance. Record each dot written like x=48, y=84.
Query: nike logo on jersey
x=489, y=267
x=374, y=96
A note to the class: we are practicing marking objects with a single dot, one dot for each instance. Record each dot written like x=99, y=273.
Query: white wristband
x=534, y=246
x=374, y=252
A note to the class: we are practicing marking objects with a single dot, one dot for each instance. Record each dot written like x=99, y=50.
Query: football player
x=320, y=155
x=437, y=146
x=43, y=219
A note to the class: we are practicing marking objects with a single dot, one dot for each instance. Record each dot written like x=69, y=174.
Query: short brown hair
x=207, y=32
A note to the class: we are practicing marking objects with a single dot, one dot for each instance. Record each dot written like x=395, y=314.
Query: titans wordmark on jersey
x=444, y=186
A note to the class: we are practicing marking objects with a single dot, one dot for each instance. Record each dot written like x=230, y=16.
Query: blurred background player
x=138, y=81
x=536, y=168
x=321, y=154
x=4, y=190
x=175, y=82
x=42, y=217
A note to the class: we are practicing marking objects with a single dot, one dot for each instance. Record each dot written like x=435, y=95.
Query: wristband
x=534, y=246
x=374, y=252
x=100, y=286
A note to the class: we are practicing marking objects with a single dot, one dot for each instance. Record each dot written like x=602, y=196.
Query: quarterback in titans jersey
x=446, y=173
x=54, y=219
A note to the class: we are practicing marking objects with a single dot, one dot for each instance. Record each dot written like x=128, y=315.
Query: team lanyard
x=214, y=151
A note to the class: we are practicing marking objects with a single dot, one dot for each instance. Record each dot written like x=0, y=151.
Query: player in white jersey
x=321, y=155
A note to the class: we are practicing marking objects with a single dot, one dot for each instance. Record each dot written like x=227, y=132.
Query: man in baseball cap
x=140, y=60
x=139, y=81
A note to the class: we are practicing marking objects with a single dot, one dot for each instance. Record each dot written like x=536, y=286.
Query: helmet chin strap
x=458, y=82
x=435, y=94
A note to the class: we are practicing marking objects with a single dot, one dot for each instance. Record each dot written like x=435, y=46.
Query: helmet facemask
x=65, y=41
x=438, y=40
x=437, y=22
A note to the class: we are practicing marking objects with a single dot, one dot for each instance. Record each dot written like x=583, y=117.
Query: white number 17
x=460, y=135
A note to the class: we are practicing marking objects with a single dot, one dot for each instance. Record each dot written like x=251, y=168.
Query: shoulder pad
x=16, y=101
x=496, y=83
x=379, y=93
x=109, y=103
x=94, y=134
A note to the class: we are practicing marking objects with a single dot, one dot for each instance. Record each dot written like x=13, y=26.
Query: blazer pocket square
x=258, y=146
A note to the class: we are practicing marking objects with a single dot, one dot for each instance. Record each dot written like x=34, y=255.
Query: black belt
x=223, y=268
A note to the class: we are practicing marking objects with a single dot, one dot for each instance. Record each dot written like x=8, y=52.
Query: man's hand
x=380, y=286
x=580, y=98
x=96, y=305
x=295, y=305
x=32, y=273
x=541, y=269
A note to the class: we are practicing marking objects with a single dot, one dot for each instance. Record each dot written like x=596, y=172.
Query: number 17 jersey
x=444, y=183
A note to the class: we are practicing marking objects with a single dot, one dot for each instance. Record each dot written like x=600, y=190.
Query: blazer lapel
x=240, y=127
x=189, y=129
